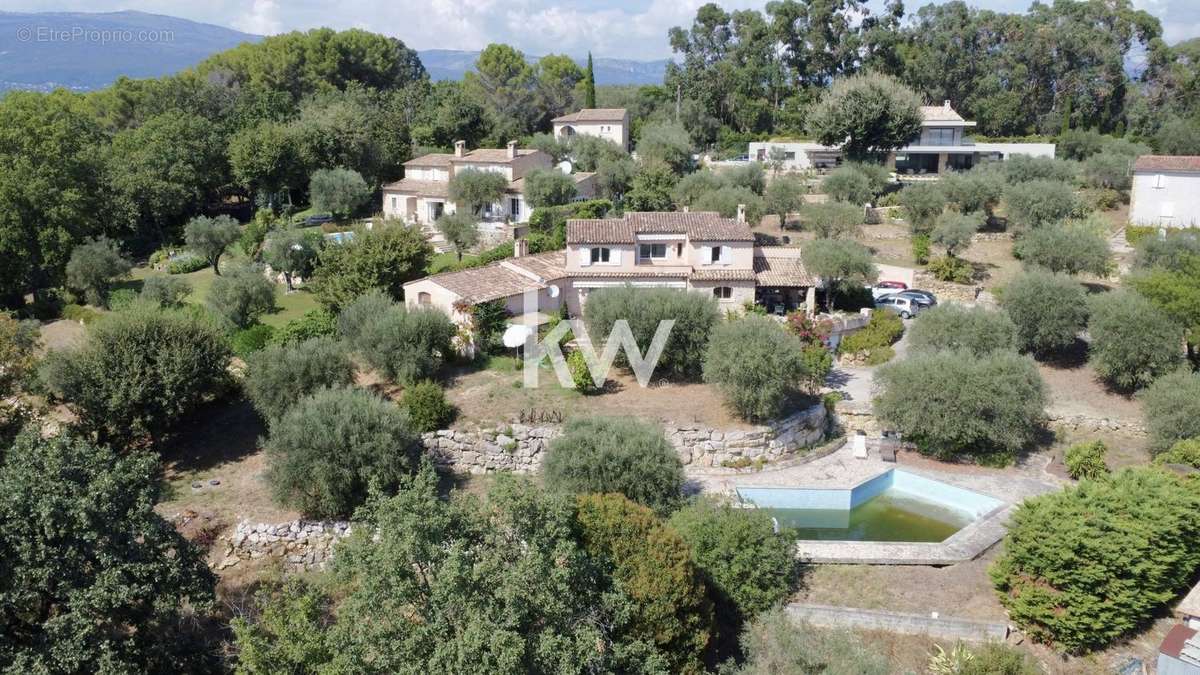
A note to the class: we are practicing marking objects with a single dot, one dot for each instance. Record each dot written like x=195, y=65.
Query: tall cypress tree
x=589, y=91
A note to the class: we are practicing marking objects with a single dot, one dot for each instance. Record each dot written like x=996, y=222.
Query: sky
x=635, y=29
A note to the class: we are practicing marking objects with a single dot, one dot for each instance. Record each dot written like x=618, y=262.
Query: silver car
x=907, y=308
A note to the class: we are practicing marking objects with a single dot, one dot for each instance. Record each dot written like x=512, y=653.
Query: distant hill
x=83, y=51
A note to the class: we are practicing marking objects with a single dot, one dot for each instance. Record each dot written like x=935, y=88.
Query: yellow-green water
x=888, y=517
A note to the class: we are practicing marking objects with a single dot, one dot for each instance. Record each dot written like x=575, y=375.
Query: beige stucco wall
x=617, y=132
x=1179, y=196
x=743, y=292
x=740, y=256
x=439, y=297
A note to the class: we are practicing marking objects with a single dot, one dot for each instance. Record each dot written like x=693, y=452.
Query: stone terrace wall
x=301, y=545
x=520, y=448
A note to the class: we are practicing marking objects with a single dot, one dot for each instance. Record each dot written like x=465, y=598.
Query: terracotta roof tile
x=940, y=113
x=782, y=269
x=594, y=115
x=498, y=280
x=696, y=225
x=723, y=275
x=1167, y=163
x=492, y=155
x=421, y=188
x=662, y=274
x=438, y=159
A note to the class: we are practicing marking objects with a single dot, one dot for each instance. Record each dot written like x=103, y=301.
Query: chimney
x=741, y=216
x=946, y=104
x=460, y=148
x=520, y=248
x=512, y=149
x=686, y=208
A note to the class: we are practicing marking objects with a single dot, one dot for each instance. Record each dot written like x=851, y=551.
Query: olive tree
x=474, y=189
x=210, y=237
x=1049, y=310
x=1070, y=249
x=340, y=192
x=976, y=330
x=241, y=296
x=849, y=185
x=166, y=291
x=385, y=257
x=549, y=187
x=1171, y=406
x=977, y=190
x=93, y=266
x=757, y=365
x=644, y=310
x=839, y=263
x=292, y=253
x=955, y=231
x=1037, y=203
x=404, y=345
x=922, y=203
x=867, y=115
x=1133, y=342
x=783, y=196
x=832, y=220
x=280, y=375
x=460, y=229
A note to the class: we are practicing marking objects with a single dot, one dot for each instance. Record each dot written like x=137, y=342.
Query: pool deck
x=840, y=470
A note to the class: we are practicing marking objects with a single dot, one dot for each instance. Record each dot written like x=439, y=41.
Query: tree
x=748, y=566
x=839, y=263
x=1108, y=170
x=460, y=229
x=1049, y=311
x=1178, y=137
x=93, y=266
x=650, y=189
x=70, y=505
x=1027, y=168
x=264, y=159
x=1177, y=251
x=644, y=309
x=138, y=372
x=976, y=330
x=325, y=451
x=695, y=185
x=773, y=643
x=1037, y=203
x=241, y=296
x=1132, y=341
x=507, y=85
x=756, y=365
x=976, y=190
x=290, y=632
x=1064, y=574
x=384, y=257
x=1170, y=409
x=665, y=144
x=404, y=345
x=832, y=220
x=1067, y=249
x=549, y=187
x=280, y=375
x=784, y=196
x=557, y=77
x=652, y=565
x=166, y=291
x=609, y=454
x=475, y=189
x=923, y=203
x=209, y=237
x=614, y=177
x=847, y=184
x=726, y=200
x=955, y=231
x=983, y=407
x=589, y=85
x=293, y=253
x=338, y=191
x=867, y=115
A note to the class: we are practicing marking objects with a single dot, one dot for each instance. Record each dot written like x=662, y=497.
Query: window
x=424, y=298
x=722, y=292
x=1160, y=182
x=939, y=136
x=601, y=255
x=717, y=255
x=652, y=251
x=789, y=156
x=393, y=204
x=514, y=207
x=679, y=250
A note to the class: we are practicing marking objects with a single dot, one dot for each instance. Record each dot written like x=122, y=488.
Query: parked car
x=319, y=219
x=887, y=288
x=907, y=308
x=923, y=298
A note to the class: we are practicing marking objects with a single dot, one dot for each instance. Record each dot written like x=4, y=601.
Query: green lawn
x=288, y=305
x=443, y=261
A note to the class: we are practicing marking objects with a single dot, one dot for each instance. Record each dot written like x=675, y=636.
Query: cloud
x=262, y=19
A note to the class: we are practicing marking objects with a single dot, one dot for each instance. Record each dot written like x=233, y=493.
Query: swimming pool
x=893, y=506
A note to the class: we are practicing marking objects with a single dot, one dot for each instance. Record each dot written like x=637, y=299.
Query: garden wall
x=519, y=448
x=300, y=545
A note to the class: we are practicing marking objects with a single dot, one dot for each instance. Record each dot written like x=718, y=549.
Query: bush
x=747, y=566
x=954, y=270
x=923, y=203
x=847, y=184
x=1174, y=251
x=756, y=365
x=920, y=248
x=165, y=292
x=1133, y=341
x=882, y=330
x=1065, y=574
x=251, y=339
x=1066, y=249
x=985, y=408
x=328, y=448
x=428, y=409
x=404, y=346
x=726, y=200
x=139, y=372
x=774, y=644
x=121, y=299
x=1086, y=460
x=385, y=257
x=356, y=317
x=1026, y=169
x=280, y=375
x=241, y=296
x=976, y=330
x=1107, y=170
x=625, y=455
x=93, y=266
x=83, y=315
x=489, y=320
x=818, y=363
x=314, y=323
x=694, y=314
x=1049, y=311
x=581, y=376
x=1185, y=452
x=340, y=192
x=1171, y=406
x=209, y=237
x=1037, y=203
x=186, y=264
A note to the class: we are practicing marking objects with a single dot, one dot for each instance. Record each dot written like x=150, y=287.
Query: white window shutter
x=726, y=255
x=585, y=256
x=615, y=257
x=706, y=254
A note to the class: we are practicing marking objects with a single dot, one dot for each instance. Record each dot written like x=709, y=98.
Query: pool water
x=890, y=516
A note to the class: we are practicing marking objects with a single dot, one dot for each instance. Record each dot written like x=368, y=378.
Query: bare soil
x=61, y=334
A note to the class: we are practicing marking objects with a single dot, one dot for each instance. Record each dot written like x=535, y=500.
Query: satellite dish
x=566, y=167
x=552, y=291
x=515, y=335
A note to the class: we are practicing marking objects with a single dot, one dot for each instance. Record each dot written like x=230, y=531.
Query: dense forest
x=248, y=127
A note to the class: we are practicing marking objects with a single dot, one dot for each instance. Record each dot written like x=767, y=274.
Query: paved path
x=857, y=383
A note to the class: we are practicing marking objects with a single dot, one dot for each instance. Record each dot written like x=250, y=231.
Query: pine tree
x=589, y=91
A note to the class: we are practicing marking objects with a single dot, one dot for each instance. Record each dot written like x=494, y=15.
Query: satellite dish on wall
x=552, y=291
x=566, y=167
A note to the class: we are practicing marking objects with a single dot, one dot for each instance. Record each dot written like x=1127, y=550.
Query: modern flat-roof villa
x=696, y=251
x=943, y=146
x=423, y=194
x=608, y=123
x=1166, y=191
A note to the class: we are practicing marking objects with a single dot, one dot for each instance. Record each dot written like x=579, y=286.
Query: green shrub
x=246, y=341
x=1065, y=575
x=328, y=448
x=952, y=269
x=982, y=407
x=164, y=291
x=241, y=296
x=121, y=299
x=756, y=365
x=882, y=330
x=695, y=315
x=580, y=375
x=1186, y=452
x=279, y=375
x=488, y=321
x=920, y=248
x=625, y=455
x=1049, y=310
x=996, y=658
x=404, y=346
x=84, y=315
x=847, y=184
x=385, y=257
x=1086, y=460
x=818, y=363
x=314, y=323
x=428, y=409
x=1171, y=406
x=1133, y=341
x=93, y=266
x=1134, y=234
x=923, y=203
x=186, y=264
x=955, y=327
x=356, y=317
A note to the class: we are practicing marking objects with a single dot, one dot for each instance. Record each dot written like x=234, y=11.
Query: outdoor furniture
x=860, y=445
x=888, y=445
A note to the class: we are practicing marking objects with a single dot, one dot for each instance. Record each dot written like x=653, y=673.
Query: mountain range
x=85, y=51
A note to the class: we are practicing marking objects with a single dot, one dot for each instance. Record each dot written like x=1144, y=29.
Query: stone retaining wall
x=899, y=622
x=1097, y=424
x=300, y=544
x=945, y=290
x=520, y=448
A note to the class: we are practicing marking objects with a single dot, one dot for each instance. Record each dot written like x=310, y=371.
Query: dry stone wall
x=300, y=544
